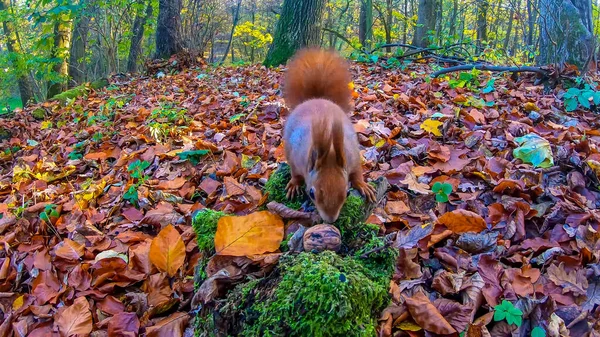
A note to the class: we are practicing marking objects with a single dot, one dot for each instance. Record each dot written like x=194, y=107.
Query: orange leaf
x=74, y=320
x=69, y=250
x=427, y=315
x=172, y=184
x=256, y=233
x=167, y=251
x=463, y=221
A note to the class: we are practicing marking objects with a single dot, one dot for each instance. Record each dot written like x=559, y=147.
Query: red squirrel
x=320, y=143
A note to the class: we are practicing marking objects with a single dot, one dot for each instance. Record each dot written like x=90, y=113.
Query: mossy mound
x=275, y=187
x=204, y=223
x=311, y=295
x=72, y=93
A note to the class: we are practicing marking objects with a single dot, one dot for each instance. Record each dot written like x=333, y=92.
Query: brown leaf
x=69, y=250
x=172, y=326
x=75, y=319
x=167, y=251
x=458, y=315
x=427, y=315
x=463, y=221
x=253, y=234
x=406, y=267
x=574, y=281
x=171, y=184
x=124, y=324
x=412, y=183
x=411, y=237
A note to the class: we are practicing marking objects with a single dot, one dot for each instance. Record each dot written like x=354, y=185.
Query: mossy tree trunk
x=168, y=29
x=365, y=23
x=298, y=26
x=25, y=85
x=135, y=49
x=60, y=51
x=425, y=22
x=79, y=42
x=566, y=32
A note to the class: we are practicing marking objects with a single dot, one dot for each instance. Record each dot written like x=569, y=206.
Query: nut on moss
x=322, y=237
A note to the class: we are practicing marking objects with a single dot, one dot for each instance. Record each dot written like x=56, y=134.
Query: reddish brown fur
x=321, y=146
x=316, y=73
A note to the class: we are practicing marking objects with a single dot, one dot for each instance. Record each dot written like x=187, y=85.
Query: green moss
x=380, y=264
x=99, y=84
x=205, y=227
x=39, y=114
x=276, y=184
x=318, y=295
x=71, y=93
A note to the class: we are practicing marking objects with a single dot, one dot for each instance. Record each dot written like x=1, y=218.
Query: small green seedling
x=49, y=211
x=131, y=195
x=538, y=332
x=136, y=169
x=194, y=156
x=507, y=311
x=442, y=191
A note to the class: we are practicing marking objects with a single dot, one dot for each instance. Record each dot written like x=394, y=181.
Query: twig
x=487, y=67
x=389, y=240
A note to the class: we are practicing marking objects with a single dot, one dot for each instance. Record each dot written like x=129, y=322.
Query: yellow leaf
x=167, y=251
x=408, y=326
x=256, y=233
x=432, y=126
x=396, y=96
x=91, y=193
x=351, y=85
x=18, y=303
x=46, y=125
x=530, y=106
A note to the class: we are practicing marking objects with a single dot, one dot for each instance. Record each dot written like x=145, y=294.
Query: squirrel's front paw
x=365, y=189
x=293, y=188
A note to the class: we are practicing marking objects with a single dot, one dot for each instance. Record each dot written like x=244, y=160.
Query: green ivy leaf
x=571, y=104
x=538, y=332
x=193, y=156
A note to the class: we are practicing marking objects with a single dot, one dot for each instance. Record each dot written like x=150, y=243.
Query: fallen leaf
x=172, y=326
x=427, y=315
x=253, y=234
x=75, y=319
x=573, y=281
x=167, y=251
x=432, y=126
x=462, y=221
x=410, y=238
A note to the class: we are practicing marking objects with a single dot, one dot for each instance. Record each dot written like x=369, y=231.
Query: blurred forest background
x=47, y=46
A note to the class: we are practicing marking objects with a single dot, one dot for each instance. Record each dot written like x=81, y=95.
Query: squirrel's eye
x=311, y=193
x=348, y=192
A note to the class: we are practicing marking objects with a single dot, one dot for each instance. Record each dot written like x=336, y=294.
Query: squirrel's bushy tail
x=317, y=73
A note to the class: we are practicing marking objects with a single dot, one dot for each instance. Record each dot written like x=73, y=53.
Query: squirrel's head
x=328, y=189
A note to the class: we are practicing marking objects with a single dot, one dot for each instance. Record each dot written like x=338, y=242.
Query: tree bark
x=390, y=18
x=566, y=32
x=135, y=49
x=79, y=40
x=24, y=83
x=365, y=23
x=168, y=29
x=509, y=29
x=425, y=22
x=482, y=9
x=298, y=27
x=235, y=13
x=60, y=51
x=453, y=17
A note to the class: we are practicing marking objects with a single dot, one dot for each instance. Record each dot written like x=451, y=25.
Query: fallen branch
x=487, y=67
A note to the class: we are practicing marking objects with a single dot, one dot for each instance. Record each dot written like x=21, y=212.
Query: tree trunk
x=25, y=85
x=530, y=23
x=453, y=17
x=482, y=9
x=135, y=49
x=60, y=51
x=298, y=27
x=365, y=23
x=390, y=17
x=509, y=29
x=425, y=22
x=168, y=28
x=79, y=40
x=235, y=13
x=566, y=32
x=405, y=32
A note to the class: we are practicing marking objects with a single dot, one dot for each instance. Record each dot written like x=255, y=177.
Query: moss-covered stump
x=310, y=295
x=307, y=294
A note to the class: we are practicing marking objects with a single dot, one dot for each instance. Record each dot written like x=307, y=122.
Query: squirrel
x=321, y=146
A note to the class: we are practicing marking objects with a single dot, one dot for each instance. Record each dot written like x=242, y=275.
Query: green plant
x=49, y=211
x=538, y=332
x=204, y=224
x=575, y=97
x=442, y=191
x=507, y=311
x=193, y=156
x=136, y=171
x=469, y=80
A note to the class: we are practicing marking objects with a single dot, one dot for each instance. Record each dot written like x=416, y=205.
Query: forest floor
x=87, y=184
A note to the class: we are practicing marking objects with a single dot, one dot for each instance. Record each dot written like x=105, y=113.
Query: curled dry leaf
x=75, y=319
x=167, y=251
x=253, y=234
x=427, y=315
x=462, y=221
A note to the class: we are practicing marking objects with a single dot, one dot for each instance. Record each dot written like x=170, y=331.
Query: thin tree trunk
x=405, y=33
x=25, y=85
x=482, y=9
x=298, y=26
x=135, y=49
x=365, y=23
x=509, y=29
x=62, y=35
x=79, y=41
x=530, y=23
x=425, y=22
x=453, y=18
x=388, y=32
x=168, y=28
x=235, y=17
